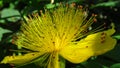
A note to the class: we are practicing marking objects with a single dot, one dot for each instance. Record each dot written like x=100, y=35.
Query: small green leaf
x=10, y=14
x=49, y=6
x=106, y=4
x=12, y=6
x=2, y=31
x=117, y=36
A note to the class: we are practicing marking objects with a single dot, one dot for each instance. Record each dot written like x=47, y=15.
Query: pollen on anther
x=93, y=14
x=73, y=4
x=95, y=20
x=40, y=11
x=79, y=6
x=13, y=39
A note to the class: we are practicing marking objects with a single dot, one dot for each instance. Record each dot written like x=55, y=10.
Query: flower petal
x=75, y=53
x=18, y=60
x=92, y=45
x=100, y=42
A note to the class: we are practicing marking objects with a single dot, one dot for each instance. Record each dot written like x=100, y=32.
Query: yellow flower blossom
x=57, y=34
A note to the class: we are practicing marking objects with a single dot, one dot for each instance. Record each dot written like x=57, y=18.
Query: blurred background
x=12, y=12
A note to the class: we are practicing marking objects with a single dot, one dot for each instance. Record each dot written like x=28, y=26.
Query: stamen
x=13, y=39
x=98, y=29
x=95, y=20
x=25, y=51
x=81, y=35
x=73, y=4
x=29, y=16
x=80, y=6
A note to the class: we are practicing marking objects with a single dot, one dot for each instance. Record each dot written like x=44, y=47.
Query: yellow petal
x=75, y=53
x=92, y=45
x=100, y=42
x=17, y=60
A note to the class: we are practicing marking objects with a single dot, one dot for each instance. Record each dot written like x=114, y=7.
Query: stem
x=62, y=62
x=19, y=47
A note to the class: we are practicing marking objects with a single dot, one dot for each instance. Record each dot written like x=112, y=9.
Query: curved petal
x=92, y=45
x=75, y=53
x=18, y=60
x=100, y=42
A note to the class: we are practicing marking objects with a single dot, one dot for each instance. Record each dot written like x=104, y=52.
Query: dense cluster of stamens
x=60, y=32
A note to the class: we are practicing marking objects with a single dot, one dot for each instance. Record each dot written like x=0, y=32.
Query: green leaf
x=12, y=6
x=117, y=36
x=117, y=65
x=49, y=6
x=10, y=14
x=1, y=3
x=106, y=4
x=3, y=31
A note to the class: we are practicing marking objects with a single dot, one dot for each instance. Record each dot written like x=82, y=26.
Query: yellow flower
x=57, y=34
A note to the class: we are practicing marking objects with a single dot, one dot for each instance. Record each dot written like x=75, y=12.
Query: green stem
x=19, y=47
x=62, y=62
